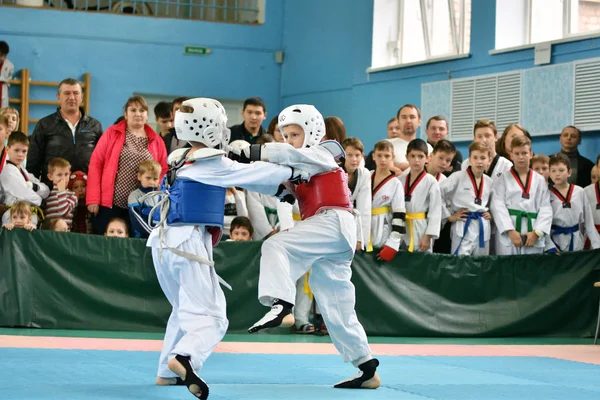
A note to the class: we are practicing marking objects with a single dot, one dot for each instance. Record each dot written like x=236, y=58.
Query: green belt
x=520, y=215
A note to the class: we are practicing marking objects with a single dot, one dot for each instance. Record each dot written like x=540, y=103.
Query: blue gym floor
x=44, y=374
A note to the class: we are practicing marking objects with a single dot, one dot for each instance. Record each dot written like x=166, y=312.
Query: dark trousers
x=105, y=214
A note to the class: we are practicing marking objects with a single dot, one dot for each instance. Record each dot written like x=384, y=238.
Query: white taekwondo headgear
x=202, y=120
x=306, y=116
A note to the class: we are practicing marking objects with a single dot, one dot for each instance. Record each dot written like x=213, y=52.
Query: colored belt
x=410, y=217
x=377, y=211
x=297, y=217
x=471, y=216
x=568, y=230
x=519, y=214
x=307, y=290
x=381, y=210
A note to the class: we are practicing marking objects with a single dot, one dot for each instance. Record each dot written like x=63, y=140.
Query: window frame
x=567, y=36
x=457, y=33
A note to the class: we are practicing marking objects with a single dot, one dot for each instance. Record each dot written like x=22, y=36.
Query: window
x=523, y=22
x=407, y=31
x=234, y=11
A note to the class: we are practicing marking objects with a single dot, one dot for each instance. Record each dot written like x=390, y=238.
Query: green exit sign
x=196, y=50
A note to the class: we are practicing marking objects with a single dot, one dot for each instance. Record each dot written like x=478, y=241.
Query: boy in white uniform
x=423, y=201
x=389, y=212
x=485, y=132
x=182, y=244
x=572, y=214
x=521, y=205
x=359, y=183
x=593, y=194
x=324, y=240
x=468, y=194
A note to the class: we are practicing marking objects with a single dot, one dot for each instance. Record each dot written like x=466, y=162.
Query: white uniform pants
x=198, y=321
x=506, y=248
x=469, y=246
x=321, y=243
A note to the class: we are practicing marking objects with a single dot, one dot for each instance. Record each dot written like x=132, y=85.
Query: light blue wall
x=328, y=49
x=127, y=54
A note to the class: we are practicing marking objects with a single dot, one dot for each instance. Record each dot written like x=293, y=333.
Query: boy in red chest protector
x=324, y=240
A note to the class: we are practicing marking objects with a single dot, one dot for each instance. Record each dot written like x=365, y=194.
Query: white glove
x=29, y=185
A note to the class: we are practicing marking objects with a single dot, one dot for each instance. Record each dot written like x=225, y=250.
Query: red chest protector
x=328, y=190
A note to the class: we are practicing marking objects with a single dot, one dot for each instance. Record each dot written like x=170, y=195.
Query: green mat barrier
x=72, y=281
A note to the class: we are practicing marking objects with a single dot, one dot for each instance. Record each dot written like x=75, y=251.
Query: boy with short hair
x=423, y=200
x=521, y=205
x=441, y=159
x=20, y=216
x=485, y=132
x=17, y=184
x=388, y=208
x=148, y=176
x=359, y=183
x=164, y=117
x=468, y=194
x=540, y=163
x=572, y=213
x=241, y=229
x=61, y=202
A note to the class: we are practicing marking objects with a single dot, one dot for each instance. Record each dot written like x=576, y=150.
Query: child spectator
x=571, y=210
x=241, y=229
x=439, y=162
x=20, y=216
x=148, y=176
x=3, y=154
x=521, y=205
x=235, y=206
x=55, y=224
x=6, y=73
x=12, y=115
x=82, y=219
x=61, y=202
x=485, y=132
x=17, y=184
x=423, y=200
x=593, y=194
x=117, y=227
x=468, y=194
x=540, y=163
x=389, y=211
x=595, y=174
x=359, y=183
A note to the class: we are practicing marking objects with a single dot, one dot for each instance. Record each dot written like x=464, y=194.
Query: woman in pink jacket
x=112, y=174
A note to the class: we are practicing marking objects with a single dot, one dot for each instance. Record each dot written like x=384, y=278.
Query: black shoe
x=367, y=378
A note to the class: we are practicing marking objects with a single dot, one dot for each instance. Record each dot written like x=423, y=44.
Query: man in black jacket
x=570, y=139
x=254, y=113
x=68, y=133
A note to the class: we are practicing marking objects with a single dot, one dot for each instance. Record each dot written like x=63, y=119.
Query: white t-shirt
x=400, y=146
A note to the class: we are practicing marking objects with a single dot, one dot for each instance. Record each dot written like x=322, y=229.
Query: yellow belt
x=377, y=211
x=306, y=285
x=381, y=210
x=296, y=217
x=410, y=217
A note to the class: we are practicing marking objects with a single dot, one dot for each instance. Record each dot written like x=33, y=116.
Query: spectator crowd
x=409, y=194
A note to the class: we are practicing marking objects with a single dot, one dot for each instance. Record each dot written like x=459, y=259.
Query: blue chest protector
x=195, y=203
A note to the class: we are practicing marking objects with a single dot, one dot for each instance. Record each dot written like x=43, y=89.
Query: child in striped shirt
x=61, y=202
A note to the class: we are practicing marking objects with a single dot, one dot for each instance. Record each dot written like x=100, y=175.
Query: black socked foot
x=280, y=315
x=367, y=378
x=182, y=366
